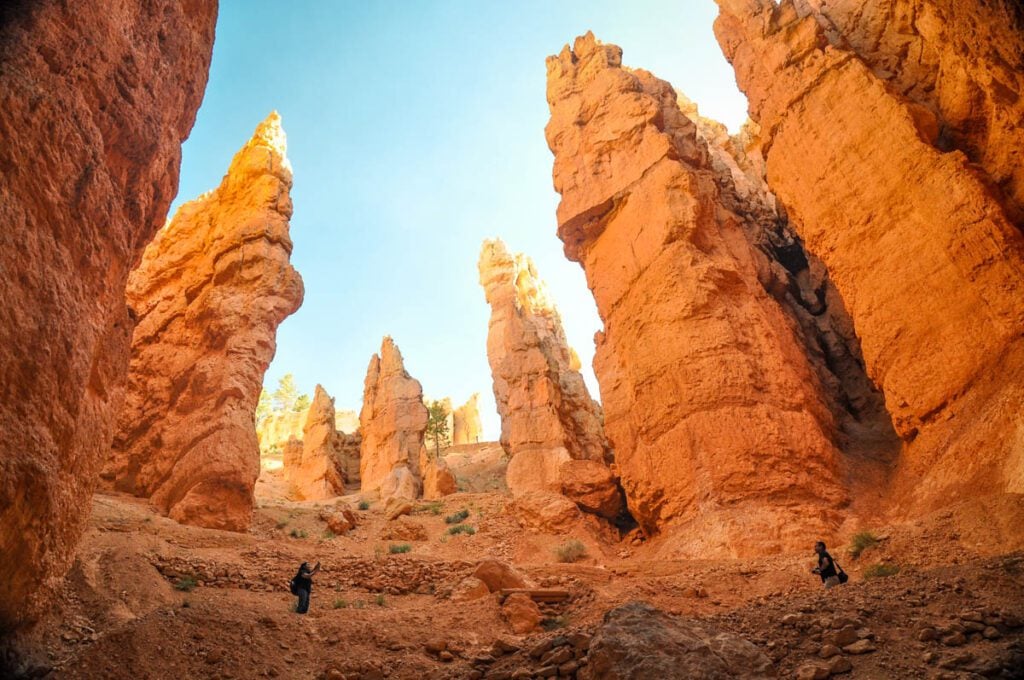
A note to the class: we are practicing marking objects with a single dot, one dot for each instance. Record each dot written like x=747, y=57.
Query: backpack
x=293, y=587
x=843, y=578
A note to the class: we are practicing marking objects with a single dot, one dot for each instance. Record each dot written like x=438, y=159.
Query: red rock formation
x=318, y=474
x=959, y=60
x=466, y=427
x=392, y=423
x=719, y=422
x=95, y=101
x=276, y=429
x=542, y=399
x=209, y=295
x=916, y=241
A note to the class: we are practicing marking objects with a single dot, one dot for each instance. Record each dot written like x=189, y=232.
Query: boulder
x=639, y=642
x=549, y=512
x=95, y=106
x=403, y=529
x=592, y=486
x=498, y=575
x=469, y=588
x=392, y=422
x=438, y=480
x=400, y=483
x=395, y=507
x=522, y=614
x=208, y=296
x=536, y=470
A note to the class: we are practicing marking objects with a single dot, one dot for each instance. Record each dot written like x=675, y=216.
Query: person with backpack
x=831, y=573
x=302, y=586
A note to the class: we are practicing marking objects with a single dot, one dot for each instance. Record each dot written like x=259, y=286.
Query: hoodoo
x=919, y=243
x=392, y=422
x=209, y=294
x=721, y=425
x=466, y=427
x=95, y=101
x=319, y=473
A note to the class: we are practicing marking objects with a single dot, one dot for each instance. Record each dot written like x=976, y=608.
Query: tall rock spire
x=209, y=295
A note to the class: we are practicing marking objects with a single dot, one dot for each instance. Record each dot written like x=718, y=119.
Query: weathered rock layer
x=720, y=423
x=94, y=104
x=209, y=295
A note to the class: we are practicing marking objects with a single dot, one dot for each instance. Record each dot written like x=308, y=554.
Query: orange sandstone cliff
x=95, y=101
x=863, y=147
x=392, y=422
x=722, y=426
x=466, y=427
x=209, y=294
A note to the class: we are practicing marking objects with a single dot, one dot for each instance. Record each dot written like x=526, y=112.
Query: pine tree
x=437, y=425
x=286, y=393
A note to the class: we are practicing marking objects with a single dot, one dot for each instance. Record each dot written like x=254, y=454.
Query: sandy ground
x=149, y=598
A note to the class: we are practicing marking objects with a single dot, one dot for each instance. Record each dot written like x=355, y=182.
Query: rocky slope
x=922, y=249
x=392, y=423
x=95, y=101
x=721, y=425
x=209, y=294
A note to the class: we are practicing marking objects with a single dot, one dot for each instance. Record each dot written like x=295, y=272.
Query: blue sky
x=416, y=130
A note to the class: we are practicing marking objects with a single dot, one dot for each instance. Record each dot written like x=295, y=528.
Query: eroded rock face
x=89, y=168
x=276, y=429
x=319, y=473
x=720, y=424
x=643, y=643
x=466, y=427
x=209, y=294
x=961, y=61
x=921, y=249
x=542, y=400
x=392, y=423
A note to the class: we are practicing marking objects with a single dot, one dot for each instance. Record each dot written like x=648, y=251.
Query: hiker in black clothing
x=827, y=567
x=302, y=585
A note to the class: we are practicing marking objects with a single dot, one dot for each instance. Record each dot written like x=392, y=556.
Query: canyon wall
x=208, y=296
x=466, y=427
x=392, y=423
x=95, y=101
x=961, y=60
x=542, y=399
x=919, y=241
x=722, y=426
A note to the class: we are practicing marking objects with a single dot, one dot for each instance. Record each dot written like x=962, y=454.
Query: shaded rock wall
x=920, y=246
x=720, y=423
x=392, y=421
x=209, y=295
x=95, y=101
x=542, y=399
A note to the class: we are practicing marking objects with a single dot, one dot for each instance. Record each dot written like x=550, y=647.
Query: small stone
x=991, y=633
x=926, y=634
x=846, y=636
x=446, y=656
x=436, y=646
x=539, y=649
x=860, y=647
x=828, y=651
x=568, y=668
x=557, y=656
x=954, y=640
x=839, y=665
x=812, y=671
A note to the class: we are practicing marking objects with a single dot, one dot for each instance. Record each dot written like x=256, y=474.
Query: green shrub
x=398, y=548
x=461, y=529
x=571, y=551
x=881, y=570
x=328, y=534
x=364, y=505
x=379, y=600
x=434, y=507
x=358, y=604
x=340, y=603
x=297, y=533
x=457, y=517
x=185, y=583
x=862, y=542
x=553, y=623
